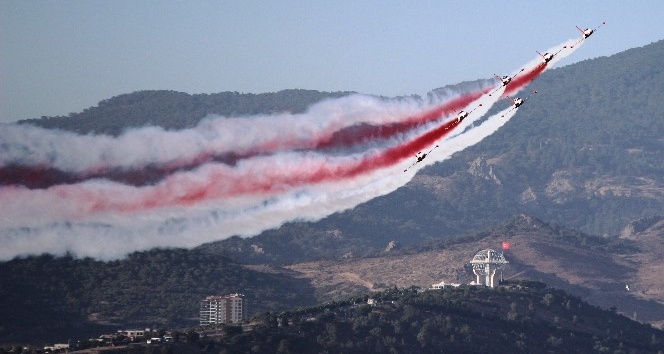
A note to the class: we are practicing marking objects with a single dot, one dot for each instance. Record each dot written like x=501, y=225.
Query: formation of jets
x=505, y=80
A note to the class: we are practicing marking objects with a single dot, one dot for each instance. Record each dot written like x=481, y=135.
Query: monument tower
x=485, y=264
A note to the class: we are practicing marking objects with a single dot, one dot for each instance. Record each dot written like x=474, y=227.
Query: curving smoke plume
x=224, y=177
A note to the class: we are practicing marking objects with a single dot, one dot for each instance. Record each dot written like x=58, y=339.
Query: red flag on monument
x=506, y=245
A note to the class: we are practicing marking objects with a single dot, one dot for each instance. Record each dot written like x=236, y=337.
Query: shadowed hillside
x=48, y=299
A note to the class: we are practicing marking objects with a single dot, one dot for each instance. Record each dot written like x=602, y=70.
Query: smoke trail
x=216, y=200
x=39, y=158
x=207, y=222
x=261, y=175
x=538, y=66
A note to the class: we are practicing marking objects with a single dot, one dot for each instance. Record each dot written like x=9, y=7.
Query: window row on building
x=219, y=309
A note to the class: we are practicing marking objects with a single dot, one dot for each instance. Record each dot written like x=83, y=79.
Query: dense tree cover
x=45, y=296
x=517, y=318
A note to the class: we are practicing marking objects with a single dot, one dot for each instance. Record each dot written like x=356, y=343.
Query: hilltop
x=520, y=317
x=593, y=268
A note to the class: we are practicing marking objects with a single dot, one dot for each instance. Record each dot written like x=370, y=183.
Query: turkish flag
x=506, y=245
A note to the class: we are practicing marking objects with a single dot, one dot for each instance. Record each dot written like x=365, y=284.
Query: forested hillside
x=520, y=318
x=47, y=298
x=587, y=152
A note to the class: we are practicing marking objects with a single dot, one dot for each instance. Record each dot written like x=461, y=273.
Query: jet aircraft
x=505, y=80
x=517, y=102
x=463, y=114
x=420, y=156
x=587, y=33
x=547, y=57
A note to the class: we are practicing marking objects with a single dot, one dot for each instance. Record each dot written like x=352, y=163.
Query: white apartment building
x=230, y=308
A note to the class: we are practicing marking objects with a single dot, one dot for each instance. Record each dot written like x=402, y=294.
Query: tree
x=231, y=330
x=192, y=336
x=284, y=346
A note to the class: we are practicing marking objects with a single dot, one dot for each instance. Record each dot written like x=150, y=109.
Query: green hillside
x=584, y=153
x=46, y=298
x=520, y=318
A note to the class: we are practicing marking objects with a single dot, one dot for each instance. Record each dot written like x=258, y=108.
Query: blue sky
x=58, y=57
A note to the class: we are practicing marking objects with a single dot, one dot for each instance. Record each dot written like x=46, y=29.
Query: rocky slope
x=596, y=269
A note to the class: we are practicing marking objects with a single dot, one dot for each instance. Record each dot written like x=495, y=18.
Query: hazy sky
x=58, y=57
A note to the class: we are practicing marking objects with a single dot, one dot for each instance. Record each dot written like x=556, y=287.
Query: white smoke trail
x=38, y=221
x=202, y=223
x=124, y=233
x=565, y=52
x=32, y=146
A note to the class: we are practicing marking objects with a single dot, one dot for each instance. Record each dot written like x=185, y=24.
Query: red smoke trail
x=522, y=80
x=220, y=181
x=356, y=135
x=365, y=133
x=260, y=176
x=41, y=177
x=385, y=159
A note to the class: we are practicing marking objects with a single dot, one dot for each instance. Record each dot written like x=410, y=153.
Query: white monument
x=485, y=264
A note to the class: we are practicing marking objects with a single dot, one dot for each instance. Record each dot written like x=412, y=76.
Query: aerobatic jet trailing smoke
x=64, y=192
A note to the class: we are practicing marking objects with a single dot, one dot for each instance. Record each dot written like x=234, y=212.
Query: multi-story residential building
x=223, y=309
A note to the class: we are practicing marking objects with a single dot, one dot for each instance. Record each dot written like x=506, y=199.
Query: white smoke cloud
x=107, y=220
x=113, y=236
x=32, y=146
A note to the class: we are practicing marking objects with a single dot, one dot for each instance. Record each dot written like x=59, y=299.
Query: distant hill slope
x=585, y=153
